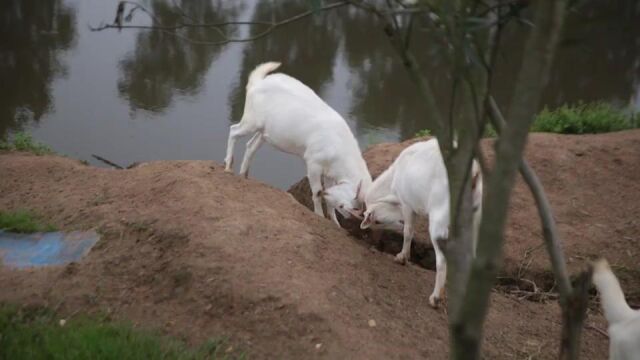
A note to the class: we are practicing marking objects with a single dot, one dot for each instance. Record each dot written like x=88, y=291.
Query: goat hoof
x=400, y=259
x=434, y=301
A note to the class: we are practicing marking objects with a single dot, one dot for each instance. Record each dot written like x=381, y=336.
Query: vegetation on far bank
x=24, y=142
x=22, y=222
x=37, y=333
x=581, y=118
x=585, y=118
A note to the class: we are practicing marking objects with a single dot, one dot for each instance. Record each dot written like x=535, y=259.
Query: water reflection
x=33, y=35
x=597, y=59
x=164, y=65
x=191, y=92
x=307, y=49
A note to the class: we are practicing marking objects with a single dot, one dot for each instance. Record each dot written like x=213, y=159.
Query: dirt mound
x=592, y=182
x=200, y=253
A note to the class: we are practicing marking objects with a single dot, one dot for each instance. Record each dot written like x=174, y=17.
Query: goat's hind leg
x=235, y=131
x=252, y=146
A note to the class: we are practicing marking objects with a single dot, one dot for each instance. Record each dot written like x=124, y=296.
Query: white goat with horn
x=417, y=184
x=290, y=116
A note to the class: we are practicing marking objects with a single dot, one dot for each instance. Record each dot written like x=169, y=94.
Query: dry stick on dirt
x=533, y=76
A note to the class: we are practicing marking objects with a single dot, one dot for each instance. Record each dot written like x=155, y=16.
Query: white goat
x=417, y=184
x=287, y=114
x=624, y=322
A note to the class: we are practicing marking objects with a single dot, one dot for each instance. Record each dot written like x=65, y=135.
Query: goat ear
x=358, y=190
x=366, y=222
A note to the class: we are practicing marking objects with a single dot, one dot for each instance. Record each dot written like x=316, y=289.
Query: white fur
x=417, y=184
x=624, y=322
x=290, y=116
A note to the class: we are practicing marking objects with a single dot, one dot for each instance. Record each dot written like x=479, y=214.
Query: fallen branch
x=108, y=162
x=597, y=329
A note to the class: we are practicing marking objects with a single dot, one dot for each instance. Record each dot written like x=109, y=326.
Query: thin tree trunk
x=539, y=51
x=573, y=303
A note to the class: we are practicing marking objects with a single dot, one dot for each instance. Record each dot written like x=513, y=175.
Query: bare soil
x=593, y=185
x=199, y=254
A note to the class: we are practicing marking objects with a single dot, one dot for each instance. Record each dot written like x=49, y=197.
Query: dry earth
x=200, y=253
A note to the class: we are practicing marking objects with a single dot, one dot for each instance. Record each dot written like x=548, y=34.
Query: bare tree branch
x=549, y=228
x=171, y=30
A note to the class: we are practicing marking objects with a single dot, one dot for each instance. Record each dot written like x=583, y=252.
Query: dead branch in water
x=108, y=162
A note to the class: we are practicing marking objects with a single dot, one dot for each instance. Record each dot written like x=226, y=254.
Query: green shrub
x=584, y=118
x=39, y=334
x=423, y=133
x=24, y=142
x=22, y=222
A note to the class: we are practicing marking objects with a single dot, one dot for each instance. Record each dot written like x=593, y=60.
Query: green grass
x=589, y=118
x=22, y=222
x=581, y=118
x=38, y=334
x=24, y=142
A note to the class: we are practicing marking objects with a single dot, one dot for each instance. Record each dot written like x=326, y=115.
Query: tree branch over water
x=219, y=27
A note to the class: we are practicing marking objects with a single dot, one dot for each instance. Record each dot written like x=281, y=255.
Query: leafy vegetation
x=24, y=142
x=22, y=222
x=582, y=118
x=590, y=118
x=39, y=334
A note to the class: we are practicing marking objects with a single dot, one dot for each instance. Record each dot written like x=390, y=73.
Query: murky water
x=137, y=95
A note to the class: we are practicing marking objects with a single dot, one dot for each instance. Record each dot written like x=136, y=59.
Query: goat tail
x=260, y=72
x=614, y=305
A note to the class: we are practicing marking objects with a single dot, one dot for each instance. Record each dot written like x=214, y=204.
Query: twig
x=108, y=162
x=597, y=329
x=271, y=25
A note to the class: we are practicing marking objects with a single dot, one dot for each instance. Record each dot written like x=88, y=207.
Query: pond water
x=135, y=95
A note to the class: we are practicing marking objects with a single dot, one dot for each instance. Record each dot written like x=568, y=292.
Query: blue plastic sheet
x=45, y=249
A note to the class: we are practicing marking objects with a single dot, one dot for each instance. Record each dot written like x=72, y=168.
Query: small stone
x=318, y=346
x=229, y=349
x=372, y=323
x=62, y=322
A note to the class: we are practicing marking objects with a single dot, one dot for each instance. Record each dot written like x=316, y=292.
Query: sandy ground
x=200, y=253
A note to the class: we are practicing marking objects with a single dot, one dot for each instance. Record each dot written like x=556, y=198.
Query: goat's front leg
x=314, y=174
x=438, y=230
x=409, y=218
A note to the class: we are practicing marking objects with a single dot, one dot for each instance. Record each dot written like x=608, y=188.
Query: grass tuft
x=22, y=222
x=36, y=333
x=590, y=118
x=24, y=142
